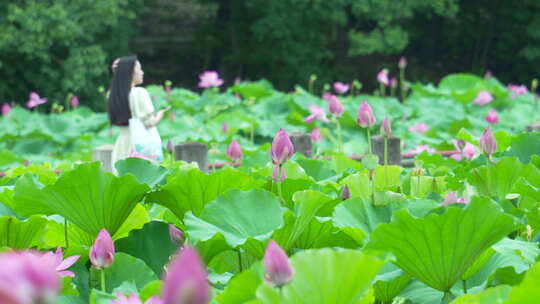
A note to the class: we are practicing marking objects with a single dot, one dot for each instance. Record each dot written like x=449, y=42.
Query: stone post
x=192, y=152
x=394, y=149
x=534, y=127
x=104, y=155
x=302, y=143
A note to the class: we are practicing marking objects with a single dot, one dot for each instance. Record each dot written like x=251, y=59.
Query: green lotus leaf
x=86, y=196
x=238, y=216
x=21, y=234
x=151, y=244
x=191, y=190
x=125, y=269
x=438, y=249
x=325, y=276
x=389, y=282
x=498, y=294
x=528, y=290
x=144, y=171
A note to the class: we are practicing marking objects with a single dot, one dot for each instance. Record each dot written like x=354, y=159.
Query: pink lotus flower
x=316, y=135
x=316, y=113
x=366, y=119
x=74, y=102
x=341, y=88
x=134, y=299
x=282, y=148
x=334, y=105
x=278, y=270
x=28, y=277
x=35, y=100
x=176, y=235
x=488, y=143
x=465, y=149
x=402, y=63
x=421, y=149
x=210, y=79
x=382, y=77
x=234, y=151
x=451, y=198
x=492, y=117
x=393, y=82
x=386, y=128
x=517, y=90
x=61, y=264
x=419, y=128
x=186, y=280
x=225, y=128
x=483, y=98
x=102, y=252
x=6, y=108
x=345, y=193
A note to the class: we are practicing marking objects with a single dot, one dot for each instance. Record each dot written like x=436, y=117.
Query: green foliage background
x=66, y=46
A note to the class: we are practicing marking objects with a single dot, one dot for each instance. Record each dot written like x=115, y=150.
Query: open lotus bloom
x=61, y=264
x=28, y=277
x=186, y=279
x=277, y=267
x=102, y=252
x=210, y=79
x=316, y=113
x=483, y=98
x=517, y=90
x=366, y=119
x=35, y=100
x=382, y=77
x=341, y=88
x=464, y=149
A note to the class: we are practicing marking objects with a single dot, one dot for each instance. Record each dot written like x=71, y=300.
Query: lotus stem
x=280, y=194
x=464, y=286
x=240, y=261
x=66, y=232
x=103, y=280
x=386, y=151
x=340, y=138
x=402, y=83
x=369, y=140
x=382, y=90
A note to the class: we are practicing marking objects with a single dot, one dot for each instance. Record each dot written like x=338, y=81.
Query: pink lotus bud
x=316, y=135
x=74, y=102
x=402, y=63
x=382, y=77
x=278, y=270
x=6, y=108
x=334, y=105
x=234, y=151
x=210, y=79
x=386, y=128
x=345, y=193
x=483, y=98
x=282, y=148
x=28, y=277
x=185, y=281
x=419, y=128
x=225, y=128
x=176, y=235
x=35, y=100
x=366, y=119
x=170, y=146
x=393, y=82
x=341, y=88
x=488, y=143
x=316, y=113
x=492, y=117
x=102, y=252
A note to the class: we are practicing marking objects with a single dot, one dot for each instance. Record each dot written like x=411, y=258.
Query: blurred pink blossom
x=74, y=102
x=492, y=117
x=6, y=109
x=419, y=128
x=341, y=88
x=316, y=135
x=61, y=264
x=483, y=98
x=35, y=100
x=210, y=79
x=316, y=113
x=421, y=149
x=517, y=90
x=451, y=198
x=382, y=77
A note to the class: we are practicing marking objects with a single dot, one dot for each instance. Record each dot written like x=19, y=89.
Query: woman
x=126, y=101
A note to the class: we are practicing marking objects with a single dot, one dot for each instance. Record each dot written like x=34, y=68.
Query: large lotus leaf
x=191, y=190
x=438, y=249
x=241, y=288
x=125, y=269
x=321, y=233
x=306, y=205
x=318, y=169
x=389, y=282
x=524, y=146
x=151, y=244
x=18, y=234
x=86, y=196
x=358, y=217
x=499, y=179
x=494, y=295
x=144, y=171
x=528, y=291
x=419, y=293
x=325, y=276
x=359, y=184
x=388, y=177
x=238, y=216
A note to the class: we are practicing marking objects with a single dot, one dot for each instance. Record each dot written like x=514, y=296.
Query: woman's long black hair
x=118, y=103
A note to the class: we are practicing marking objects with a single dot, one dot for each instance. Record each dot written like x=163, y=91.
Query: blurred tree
x=57, y=47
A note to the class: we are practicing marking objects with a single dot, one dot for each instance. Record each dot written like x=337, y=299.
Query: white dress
x=141, y=107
